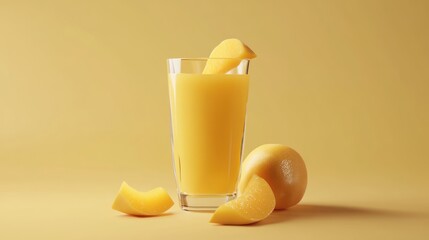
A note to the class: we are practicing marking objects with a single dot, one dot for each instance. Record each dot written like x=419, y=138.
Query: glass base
x=203, y=203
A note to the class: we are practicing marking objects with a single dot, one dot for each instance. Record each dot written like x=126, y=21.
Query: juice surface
x=208, y=117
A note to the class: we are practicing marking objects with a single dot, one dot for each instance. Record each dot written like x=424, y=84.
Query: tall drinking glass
x=208, y=113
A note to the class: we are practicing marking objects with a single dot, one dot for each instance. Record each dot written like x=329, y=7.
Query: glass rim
x=207, y=58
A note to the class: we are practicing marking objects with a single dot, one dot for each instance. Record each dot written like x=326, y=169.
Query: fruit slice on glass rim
x=133, y=202
x=227, y=55
x=255, y=204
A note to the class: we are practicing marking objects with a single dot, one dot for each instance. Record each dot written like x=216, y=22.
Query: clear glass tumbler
x=208, y=113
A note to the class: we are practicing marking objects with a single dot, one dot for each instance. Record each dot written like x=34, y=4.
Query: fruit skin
x=227, y=55
x=256, y=203
x=150, y=203
x=282, y=167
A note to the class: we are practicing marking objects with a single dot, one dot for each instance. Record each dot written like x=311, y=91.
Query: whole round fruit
x=283, y=169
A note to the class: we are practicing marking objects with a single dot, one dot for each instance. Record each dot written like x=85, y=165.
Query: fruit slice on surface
x=227, y=55
x=255, y=204
x=133, y=202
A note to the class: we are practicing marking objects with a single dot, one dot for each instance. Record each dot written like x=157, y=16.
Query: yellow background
x=84, y=105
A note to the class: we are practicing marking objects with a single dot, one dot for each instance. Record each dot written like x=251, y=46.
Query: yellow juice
x=208, y=117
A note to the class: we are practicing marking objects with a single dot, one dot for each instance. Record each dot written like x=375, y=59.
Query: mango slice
x=227, y=55
x=133, y=202
x=255, y=204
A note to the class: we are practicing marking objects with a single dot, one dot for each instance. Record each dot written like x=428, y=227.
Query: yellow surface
x=133, y=202
x=208, y=115
x=84, y=105
x=282, y=167
x=231, y=48
x=256, y=203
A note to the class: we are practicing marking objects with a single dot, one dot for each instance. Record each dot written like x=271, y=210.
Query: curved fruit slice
x=255, y=204
x=133, y=202
x=232, y=49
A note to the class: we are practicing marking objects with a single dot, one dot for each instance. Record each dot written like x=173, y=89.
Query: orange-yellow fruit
x=253, y=205
x=133, y=202
x=227, y=55
x=283, y=169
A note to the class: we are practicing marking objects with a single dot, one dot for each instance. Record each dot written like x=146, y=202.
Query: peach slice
x=133, y=202
x=255, y=204
x=227, y=55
